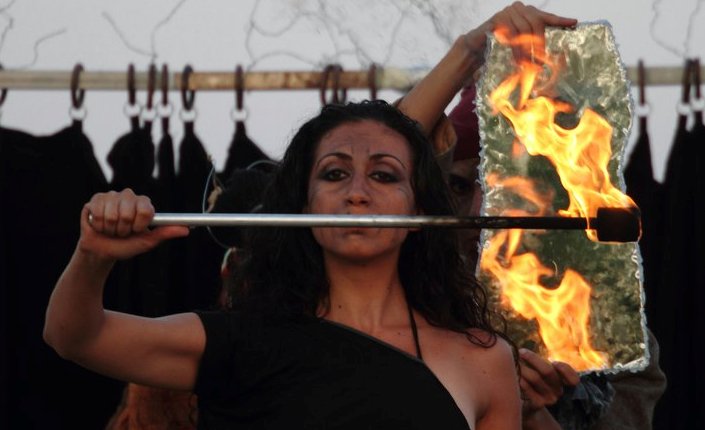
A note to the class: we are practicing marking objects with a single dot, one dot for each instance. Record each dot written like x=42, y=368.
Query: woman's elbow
x=57, y=339
x=52, y=338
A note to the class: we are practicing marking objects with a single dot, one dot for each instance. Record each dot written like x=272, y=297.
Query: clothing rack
x=387, y=78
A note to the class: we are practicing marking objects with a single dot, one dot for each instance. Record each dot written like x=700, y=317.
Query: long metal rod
x=388, y=78
x=381, y=221
x=207, y=80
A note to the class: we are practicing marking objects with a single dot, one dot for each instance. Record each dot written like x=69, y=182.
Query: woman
x=331, y=327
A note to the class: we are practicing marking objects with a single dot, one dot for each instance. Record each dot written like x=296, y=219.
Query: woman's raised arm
x=428, y=99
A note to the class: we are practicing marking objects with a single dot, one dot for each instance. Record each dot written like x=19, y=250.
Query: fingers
x=144, y=212
x=522, y=21
x=540, y=374
x=119, y=214
x=541, y=381
x=169, y=232
x=568, y=375
x=553, y=20
x=525, y=22
x=519, y=19
x=115, y=226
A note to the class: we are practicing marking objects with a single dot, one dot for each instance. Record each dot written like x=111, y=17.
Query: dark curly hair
x=284, y=274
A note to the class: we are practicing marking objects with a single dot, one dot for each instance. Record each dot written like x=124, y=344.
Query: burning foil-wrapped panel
x=553, y=133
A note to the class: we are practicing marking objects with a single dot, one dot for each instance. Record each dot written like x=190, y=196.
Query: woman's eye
x=333, y=175
x=384, y=177
x=459, y=186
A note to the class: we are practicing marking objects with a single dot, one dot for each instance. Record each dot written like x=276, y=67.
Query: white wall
x=214, y=35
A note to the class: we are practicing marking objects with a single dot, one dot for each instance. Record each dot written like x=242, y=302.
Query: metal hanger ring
x=239, y=115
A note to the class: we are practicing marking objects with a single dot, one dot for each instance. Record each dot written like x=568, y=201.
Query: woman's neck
x=364, y=296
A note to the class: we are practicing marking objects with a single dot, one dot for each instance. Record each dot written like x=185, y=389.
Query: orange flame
x=580, y=156
x=563, y=312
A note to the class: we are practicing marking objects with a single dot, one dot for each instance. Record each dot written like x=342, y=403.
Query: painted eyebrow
x=348, y=157
x=385, y=155
x=461, y=178
x=333, y=154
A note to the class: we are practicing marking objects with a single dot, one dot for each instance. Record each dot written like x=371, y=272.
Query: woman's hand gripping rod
x=611, y=224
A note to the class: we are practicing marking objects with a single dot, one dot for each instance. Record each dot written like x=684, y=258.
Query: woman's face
x=468, y=194
x=361, y=168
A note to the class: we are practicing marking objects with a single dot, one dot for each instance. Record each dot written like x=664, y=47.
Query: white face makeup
x=361, y=168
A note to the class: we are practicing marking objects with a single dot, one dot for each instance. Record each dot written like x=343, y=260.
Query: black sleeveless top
x=309, y=373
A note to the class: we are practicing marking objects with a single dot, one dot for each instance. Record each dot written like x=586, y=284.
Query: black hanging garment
x=242, y=152
x=698, y=287
x=166, y=171
x=44, y=183
x=132, y=160
x=164, y=200
x=196, y=258
x=135, y=285
x=676, y=297
x=647, y=194
x=694, y=295
x=246, y=173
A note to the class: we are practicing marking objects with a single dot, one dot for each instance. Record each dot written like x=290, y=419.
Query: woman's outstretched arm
x=152, y=351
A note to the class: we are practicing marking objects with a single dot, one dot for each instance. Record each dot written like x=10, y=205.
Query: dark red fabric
x=465, y=124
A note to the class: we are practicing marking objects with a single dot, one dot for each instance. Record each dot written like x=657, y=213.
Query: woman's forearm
x=428, y=99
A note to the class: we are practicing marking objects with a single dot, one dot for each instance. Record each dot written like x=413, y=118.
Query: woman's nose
x=358, y=192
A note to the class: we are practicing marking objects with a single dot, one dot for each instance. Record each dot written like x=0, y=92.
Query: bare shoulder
x=476, y=344
x=493, y=346
x=490, y=357
x=478, y=369
x=496, y=370
x=481, y=344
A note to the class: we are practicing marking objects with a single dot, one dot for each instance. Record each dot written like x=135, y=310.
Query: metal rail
x=387, y=78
